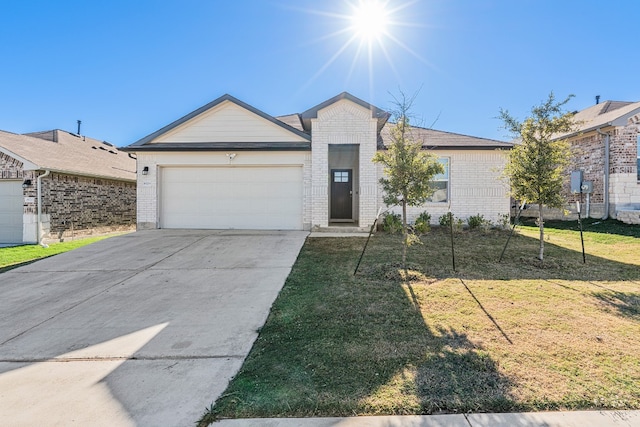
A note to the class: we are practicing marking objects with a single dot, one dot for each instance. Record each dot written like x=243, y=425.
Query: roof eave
x=239, y=146
x=26, y=164
x=89, y=175
x=467, y=147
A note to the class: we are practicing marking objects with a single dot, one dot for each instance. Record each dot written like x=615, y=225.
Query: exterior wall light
x=145, y=170
x=27, y=183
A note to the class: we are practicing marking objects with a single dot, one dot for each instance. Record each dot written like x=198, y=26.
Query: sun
x=370, y=19
x=369, y=33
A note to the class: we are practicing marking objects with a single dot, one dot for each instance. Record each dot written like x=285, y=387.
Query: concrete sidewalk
x=528, y=419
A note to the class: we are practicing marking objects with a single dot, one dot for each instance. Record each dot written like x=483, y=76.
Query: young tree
x=408, y=169
x=537, y=164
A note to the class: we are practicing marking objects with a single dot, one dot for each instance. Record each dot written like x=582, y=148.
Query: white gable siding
x=228, y=122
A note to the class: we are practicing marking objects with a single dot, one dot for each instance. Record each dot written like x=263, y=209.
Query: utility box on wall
x=587, y=187
x=576, y=181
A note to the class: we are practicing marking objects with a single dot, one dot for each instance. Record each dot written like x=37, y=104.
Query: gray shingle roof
x=440, y=140
x=65, y=152
x=292, y=120
x=607, y=113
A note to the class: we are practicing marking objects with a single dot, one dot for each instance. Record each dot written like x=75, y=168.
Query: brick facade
x=10, y=168
x=344, y=135
x=344, y=123
x=72, y=205
x=475, y=187
x=79, y=205
x=588, y=155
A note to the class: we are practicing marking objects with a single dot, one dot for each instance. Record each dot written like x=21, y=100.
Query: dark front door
x=341, y=194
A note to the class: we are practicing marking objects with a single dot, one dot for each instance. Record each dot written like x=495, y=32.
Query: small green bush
x=445, y=222
x=476, y=221
x=423, y=223
x=392, y=223
x=504, y=221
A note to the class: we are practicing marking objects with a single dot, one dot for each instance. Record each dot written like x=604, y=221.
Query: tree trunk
x=405, y=235
x=541, y=226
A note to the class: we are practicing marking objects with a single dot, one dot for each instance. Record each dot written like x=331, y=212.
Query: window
x=341, y=176
x=638, y=159
x=441, y=184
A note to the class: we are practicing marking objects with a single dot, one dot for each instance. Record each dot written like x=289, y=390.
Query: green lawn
x=15, y=256
x=490, y=337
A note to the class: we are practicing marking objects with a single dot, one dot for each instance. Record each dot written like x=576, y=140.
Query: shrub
x=445, y=222
x=476, y=221
x=392, y=223
x=423, y=223
x=504, y=221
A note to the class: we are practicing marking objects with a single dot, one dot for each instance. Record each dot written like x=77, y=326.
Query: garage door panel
x=231, y=197
x=11, y=211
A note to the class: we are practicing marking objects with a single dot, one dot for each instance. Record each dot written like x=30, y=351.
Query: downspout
x=606, y=172
x=39, y=187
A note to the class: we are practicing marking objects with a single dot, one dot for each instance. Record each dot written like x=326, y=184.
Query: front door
x=341, y=194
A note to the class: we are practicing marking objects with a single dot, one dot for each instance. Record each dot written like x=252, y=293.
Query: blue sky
x=126, y=68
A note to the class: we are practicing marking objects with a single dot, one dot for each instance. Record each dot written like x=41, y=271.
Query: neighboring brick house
x=230, y=165
x=85, y=187
x=606, y=148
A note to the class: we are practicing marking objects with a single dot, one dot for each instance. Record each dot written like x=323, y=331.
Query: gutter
x=39, y=186
x=93, y=175
x=606, y=172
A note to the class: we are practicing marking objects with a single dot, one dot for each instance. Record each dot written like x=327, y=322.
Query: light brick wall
x=475, y=187
x=343, y=122
x=149, y=185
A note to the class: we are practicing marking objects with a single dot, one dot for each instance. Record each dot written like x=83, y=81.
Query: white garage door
x=263, y=198
x=11, y=200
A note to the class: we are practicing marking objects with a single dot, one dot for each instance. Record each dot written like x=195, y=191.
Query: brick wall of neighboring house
x=588, y=156
x=79, y=205
x=10, y=168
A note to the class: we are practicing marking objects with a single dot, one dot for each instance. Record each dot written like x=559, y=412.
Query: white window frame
x=443, y=177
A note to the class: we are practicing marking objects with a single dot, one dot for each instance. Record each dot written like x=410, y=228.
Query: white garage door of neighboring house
x=264, y=198
x=11, y=201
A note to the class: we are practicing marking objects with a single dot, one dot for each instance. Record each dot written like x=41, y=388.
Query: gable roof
x=312, y=112
x=293, y=120
x=146, y=143
x=607, y=113
x=64, y=152
x=439, y=140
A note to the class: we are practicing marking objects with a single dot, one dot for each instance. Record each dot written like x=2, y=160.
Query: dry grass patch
x=490, y=337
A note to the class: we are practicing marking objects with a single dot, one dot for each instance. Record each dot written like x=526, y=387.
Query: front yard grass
x=15, y=256
x=490, y=337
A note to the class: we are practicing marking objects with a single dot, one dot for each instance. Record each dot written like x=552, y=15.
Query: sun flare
x=371, y=34
x=370, y=19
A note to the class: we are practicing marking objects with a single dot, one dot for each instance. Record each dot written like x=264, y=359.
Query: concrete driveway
x=144, y=329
